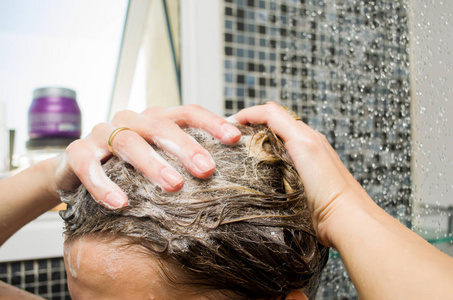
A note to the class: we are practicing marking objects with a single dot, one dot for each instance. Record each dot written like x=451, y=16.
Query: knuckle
x=125, y=139
x=190, y=148
x=73, y=146
x=152, y=110
x=76, y=147
x=122, y=115
x=194, y=107
x=191, y=110
x=101, y=127
x=313, y=142
x=272, y=107
x=160, y=123
x=157, y=126
x=81, y=167
x=272, y=103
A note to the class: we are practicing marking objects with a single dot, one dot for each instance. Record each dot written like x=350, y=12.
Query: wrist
x=334, y=219
x=47, y=169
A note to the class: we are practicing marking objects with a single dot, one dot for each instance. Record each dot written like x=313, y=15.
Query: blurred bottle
x=54, y=121
x=53, y=118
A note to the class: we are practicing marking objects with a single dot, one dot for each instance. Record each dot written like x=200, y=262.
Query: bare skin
x=8, y=292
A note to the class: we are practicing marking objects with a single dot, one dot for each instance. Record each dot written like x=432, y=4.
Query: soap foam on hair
x=212, y=225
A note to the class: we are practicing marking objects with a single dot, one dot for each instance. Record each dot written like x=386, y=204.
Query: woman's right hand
x=330, y=188
x=81, y=162
x=384, y=258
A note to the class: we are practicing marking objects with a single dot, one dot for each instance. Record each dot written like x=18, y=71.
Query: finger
x=306, y=147
x=197, y=117
x=168, y=136
x=272, y=114
x=87, y=167
x=314, y=158
x=98, y=138
x=132, y=148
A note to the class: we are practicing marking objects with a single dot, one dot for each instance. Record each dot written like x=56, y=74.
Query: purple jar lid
x=54, y=114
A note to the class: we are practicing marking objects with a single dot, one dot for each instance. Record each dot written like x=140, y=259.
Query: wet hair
x=246, y=231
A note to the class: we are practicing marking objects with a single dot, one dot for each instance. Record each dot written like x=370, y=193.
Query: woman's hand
x=328, y=184
x=81, y=162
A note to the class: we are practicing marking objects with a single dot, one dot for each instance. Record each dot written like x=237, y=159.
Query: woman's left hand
x=81, y=162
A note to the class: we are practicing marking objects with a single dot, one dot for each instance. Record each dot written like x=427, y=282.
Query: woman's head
x=244, y=233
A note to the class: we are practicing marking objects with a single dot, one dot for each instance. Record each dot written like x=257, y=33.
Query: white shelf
x=42, y=238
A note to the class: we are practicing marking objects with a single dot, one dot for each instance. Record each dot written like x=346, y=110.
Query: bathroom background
x=374, y=76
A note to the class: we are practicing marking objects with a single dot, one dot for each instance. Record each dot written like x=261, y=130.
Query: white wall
x=431, y=25
x=202, y=54
x=72, y=43
x=431, y=62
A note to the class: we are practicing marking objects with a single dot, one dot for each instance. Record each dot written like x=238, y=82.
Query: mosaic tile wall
x=342, y=65
x=43, y=277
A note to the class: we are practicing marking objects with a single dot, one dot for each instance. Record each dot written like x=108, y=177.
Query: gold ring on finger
x=112, y=135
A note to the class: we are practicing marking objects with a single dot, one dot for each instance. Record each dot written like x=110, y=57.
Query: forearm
x=387, y=260
x=8, y=292
x=26, y=196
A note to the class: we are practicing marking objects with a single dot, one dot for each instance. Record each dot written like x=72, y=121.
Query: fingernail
x=232, y=119
x=115, y=200
x=230, y=131
x=203, y=163
x=171, y=177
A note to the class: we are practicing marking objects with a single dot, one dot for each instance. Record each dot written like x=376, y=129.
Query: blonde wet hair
x=246, y=231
